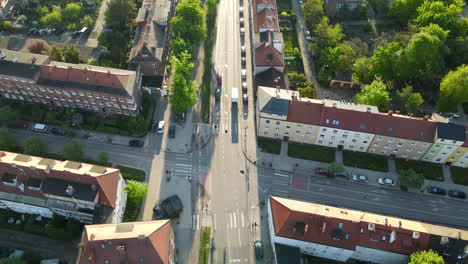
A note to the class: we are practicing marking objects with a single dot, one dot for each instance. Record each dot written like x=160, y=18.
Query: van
x=161, y=127
x=40, y=128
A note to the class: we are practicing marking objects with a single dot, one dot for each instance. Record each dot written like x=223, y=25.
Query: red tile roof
x=341, y=232
x=266, y=19
x=305, y=112
x=267, y=55
x=405, y=127
x=348, y=119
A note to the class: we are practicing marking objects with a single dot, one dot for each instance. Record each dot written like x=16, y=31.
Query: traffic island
x=205, y=245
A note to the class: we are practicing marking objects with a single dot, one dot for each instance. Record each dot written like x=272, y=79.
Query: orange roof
x=305, y=112
x=267, y=55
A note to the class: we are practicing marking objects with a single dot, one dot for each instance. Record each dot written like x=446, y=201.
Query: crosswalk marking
x=235, y=219
x=198, y=222
x=282, y=175
x=242, y=219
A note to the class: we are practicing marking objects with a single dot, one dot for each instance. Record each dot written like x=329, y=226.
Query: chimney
x=415, y=235
x=120, y=249
x=141, y=237
x=324, y=227
x=92, y=237
x=33, y=60
x=392, y=237
x=368, y=109
x=108, y=73
x=334, y=105
x=390, y=112
x=386, y=221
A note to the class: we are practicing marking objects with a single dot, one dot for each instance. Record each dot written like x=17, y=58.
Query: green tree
x=313, y=12
x=335, y=167
x=73, y=150
x=189, y=23
x=296, y=80
x=361, y=71
x=338, y=58
x=87, y=21
x=411, y=179
x=71, y=15
x=453, y=89
x=13, y=261
x=53, y=19
x=384, y=61
x=5, y=25
x=184, y=91
x=55, y=53
x=374, y=94
x=179, y=45
x=446, y=14
x=425, y=257
x=35, y=146
x=308, y=90
x=408, y=101
x=120, y=14
x=137, y=125
x=326, y=35
x=404, y=10
x=361, y=49
x=7, y=114
x=103, y=157
x=7, y=139
x=72, y=54
x=136, y=191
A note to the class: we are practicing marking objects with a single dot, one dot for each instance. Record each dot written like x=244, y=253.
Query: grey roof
x=58, y=187
x=287, y=254
x=83, y=86
x=21, y=70
x=450, y=131
x=276, y=106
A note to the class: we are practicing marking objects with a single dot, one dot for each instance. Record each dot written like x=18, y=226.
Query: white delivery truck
x=235, y=95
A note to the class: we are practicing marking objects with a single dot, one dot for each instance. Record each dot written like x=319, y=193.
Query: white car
x=386, y=181
x=244, y=74
x=308, y=36
x=360, y=178
x=161, y=127
x=301, y=2
x=242, y=31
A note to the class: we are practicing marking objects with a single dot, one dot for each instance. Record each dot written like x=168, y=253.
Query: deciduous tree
x=7, y=114
x=53, y=19
x=446, y=14
x=453, y=89
x=136, y=191
x=361, y=71
x=38, y=46
x=404, y=10
x=374, y=94
x=120, y=15
x=308, y=90
x=336, y=167
x=361, y=49
x=411, y=179
x=338, y=58
x=73, y=150
x=384, y=61
x=7, y=139
x=408, y=101
x=72, y=54
x=35, y=146
x=184, y=91
x=71, y=15
x=189, y=23
x=55, y=53
x=425, y=257
x=313, y=12
x=103, y=157
x=326, y=35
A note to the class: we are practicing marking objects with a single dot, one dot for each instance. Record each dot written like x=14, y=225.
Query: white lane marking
x=235, y=220
x=214, y=221
x=238, y=232
x=242, y=219
x=198, y=222
x=282, y=175
x=184, y=165
x=230, y=221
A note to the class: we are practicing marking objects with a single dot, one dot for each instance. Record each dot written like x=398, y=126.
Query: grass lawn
x=460, y=175
x=430, y=171
x=205, y=245
x=269, y=145
x=365, y=161
x=311, y=152
x=131, y=173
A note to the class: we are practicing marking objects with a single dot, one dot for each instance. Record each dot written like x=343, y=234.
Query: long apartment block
x=87, y=193
x=284, y=115
x=34, y=78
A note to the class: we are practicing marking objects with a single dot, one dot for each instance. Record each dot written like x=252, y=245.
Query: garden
x=269, y=145
x=311, y=152
x=430, y=171
x=365, y=161
x=459, y=175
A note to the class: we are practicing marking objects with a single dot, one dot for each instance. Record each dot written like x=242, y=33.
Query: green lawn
x=205, y=245
x=460, y=175
x=365, y=161
x=311, y=152
x=131, y=173
x=269, y=145
x=430, y=171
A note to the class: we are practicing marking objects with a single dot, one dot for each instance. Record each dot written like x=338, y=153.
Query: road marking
x=240, y=242
x=242, y=219
x=282, y=175
x=230, y=220
x=235, y=220
x=214, y=221
x=193, y=222
x=198, y=222
x=184, y=165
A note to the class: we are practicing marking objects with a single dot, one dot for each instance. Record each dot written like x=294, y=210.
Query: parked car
x=308, y=36
x=244, y=86
x=161, y=127
x=75, y=34
x=343, y=174
x=245, y=98
x=58, y=31
x=242, y=31
x=457, y=194
x=244, y=74
x=154, y=126
x=386, y=181
x=217, y=94
x=40, y=128
x=21, y=124
x=321, y=171
x=57, y=131
x=301, y=2
x=32, y=31
x=243, y=61
x=172, y=129
x=219, y=79
x=241, y=22
x=258, y=245
x=436, y=190
x=169, y=208
x=243, y=50
x=241, y=10
x=136, y=143
x=360, y=178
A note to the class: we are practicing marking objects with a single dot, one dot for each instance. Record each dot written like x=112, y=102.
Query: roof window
x=299, y=227
x=362, y=126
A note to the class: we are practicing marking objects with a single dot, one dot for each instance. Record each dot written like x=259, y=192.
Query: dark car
x=243, y=61
x=321, y=171
x=136, y=143
x=436, y=190
x=219, y=79
x=258, y=245
x=57, y=131
x=217, y=94
x=169, y=208
x=21, y=124
x=75, y=34
x=343, y=174
x=58, y=31
x=457, y=194
x=32, y=31
x=172, y=131
x=154, y=126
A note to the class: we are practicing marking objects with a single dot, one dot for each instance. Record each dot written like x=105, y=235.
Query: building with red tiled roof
x=136, y=242
x=84, y=192
x=265, y=16
x=268, y=56
x=34, y=78
x=343, y=234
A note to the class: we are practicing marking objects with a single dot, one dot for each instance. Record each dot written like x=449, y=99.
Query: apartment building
x=448, y=138
x=459, y=156
x=8, y=8
x=35, y=78
x=150, y=47
x=137, y=242
x=84, y=192
x=343, y=234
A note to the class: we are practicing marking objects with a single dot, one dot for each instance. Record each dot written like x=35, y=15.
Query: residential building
x=402, y=136
x=459, y=156
x=270, y=78
x=150, y=48
x=84, y=192
x=448, y=137
x=34, y=78
x=333, y=7
x=8, y=8
x=343, y=234
x=268, y=55
x=137, y=242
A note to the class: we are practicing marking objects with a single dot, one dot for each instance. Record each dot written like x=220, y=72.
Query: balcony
x=9, y=179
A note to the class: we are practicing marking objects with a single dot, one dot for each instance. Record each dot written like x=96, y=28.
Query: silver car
x=360, y=178
x=386, y=181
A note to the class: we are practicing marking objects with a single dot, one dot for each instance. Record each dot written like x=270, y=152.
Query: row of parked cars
x=40, y=128
x=54, y=31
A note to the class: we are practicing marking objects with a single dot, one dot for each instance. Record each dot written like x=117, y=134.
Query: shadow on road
x=234, y=124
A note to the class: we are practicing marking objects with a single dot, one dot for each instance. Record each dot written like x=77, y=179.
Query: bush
x=57, y=233
x=132, y=173
x=269, y=145
x=429, y=170
x=460, y=175
x=311, y=152
x=365, y=161
x=132, y=210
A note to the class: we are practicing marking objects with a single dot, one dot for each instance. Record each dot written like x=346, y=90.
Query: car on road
x=244, y=86
x=57, y=131
x=40, y=128
x=457, y=194
x=75, y=34
x=436, y=190
x=343, y=174
x=172, y=129
x=454, y=115
x=21, y=124
x=258, y=245
x=245, y=98
x=386, y=181
x=301, y=2
x=243, y=61
x=241, y=10
x=161, y=127
x=242, y=31
x=321, y=171
x=360, y=178
x=136, y=143
x=219, y=79
x=241, y=22
x=154, y=126
x=244, y=74
x=243, y=50
x=308, y=36
x=217, y=94
x=169, y=208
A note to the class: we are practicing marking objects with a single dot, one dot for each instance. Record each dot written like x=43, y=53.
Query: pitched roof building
x=87, y=193
x=136, y=242
x=343, y=234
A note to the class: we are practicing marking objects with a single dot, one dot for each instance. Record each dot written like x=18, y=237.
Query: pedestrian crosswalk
x=229, y=220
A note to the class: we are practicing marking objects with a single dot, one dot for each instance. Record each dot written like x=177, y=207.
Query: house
x=459, y=156
x=150, y=47
x=8, y=8
x=343, y=234
x=84, y=192
x=333, y=7
x=35, y=78
x=136, y=242
x=448, y=138
x=267, y=56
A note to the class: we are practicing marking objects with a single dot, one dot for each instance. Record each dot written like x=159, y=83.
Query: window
x=286, y=133
x=121, y=100
x=90, y=95
x=320, y=141
x=324, y=130
x=330, y=143
x=332, y=138
x=405, y=155
x=431, y=152
x=267, y=121
x=353, y=140
x=322, y=136
x=361, y=148
x=298, y=132
x=413, y=143
x=276, y=135
x=113, y=99
x=277, y=129
x=387, y=146
x=390, y=140
x=396, y=150
x=153, y=65
x=458, y=153
x=73, y=92
x=345, y=136
x=267, y=127
x=280, y=116
x=105, y=97
x=97, y=96
x=336, y=122
x=356, y=135
x=420, y=151
x=342, y=142
x=362, y=126
x=449, y=148
x=335, y=131
x=265, y=133
x=400, y=144
x=288, y=127
x=308, y=133
x=437, y=146
x=82, y=94
x=444, y=153
x=299, y=126
x=327, y=121
x=438, y=159
x=376, y=144
x=364, y=142
x=379, y=138
x=409, y=150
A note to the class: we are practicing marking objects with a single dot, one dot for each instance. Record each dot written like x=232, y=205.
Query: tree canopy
x=136, y=190
x=408, y=101
x=411, y=179
x=189, y=23
x=384, y=61
x=73, y=150
x=7, y=139
x=361, y=71
x=184, y=91
x=120, y=14
x=38, y=46
x=425, y=257
x=72, y=54
x=71, y=15
x=326, y=35
x=446, y=14
x=338, y=58
x=374, y=94
x=35, y=146
x=453, y=89
x=313, y=12
x=7, y=114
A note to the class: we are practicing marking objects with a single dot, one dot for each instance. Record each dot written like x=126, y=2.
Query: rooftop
x=265, y=15
x=268, y=77
x=406, y=127
x=451, y=131
x=267, y=55
x=305, y=112
x=274, y=101
x=348, y=119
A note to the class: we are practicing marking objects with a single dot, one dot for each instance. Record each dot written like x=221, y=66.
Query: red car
x=321, y=171
x=21, y=124
x=219, y=79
